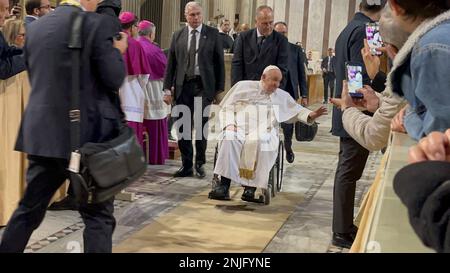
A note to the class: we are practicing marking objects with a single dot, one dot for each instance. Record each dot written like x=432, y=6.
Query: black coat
x=45, y=126
x=296, y=73
x=112, y=9
x=11, y=60
x=424, y=188
x=324, y=65
x=210, y=60
x=348, y=49
x=249, y=64
x=227, y=41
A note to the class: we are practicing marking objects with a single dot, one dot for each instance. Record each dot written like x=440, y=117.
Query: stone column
x=226, y=8
x=171, y=21
x=247, y=12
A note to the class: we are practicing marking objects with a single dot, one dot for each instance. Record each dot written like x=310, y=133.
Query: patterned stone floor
x=308, y=230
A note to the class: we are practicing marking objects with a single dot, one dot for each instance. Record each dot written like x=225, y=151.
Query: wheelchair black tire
x=280, y=168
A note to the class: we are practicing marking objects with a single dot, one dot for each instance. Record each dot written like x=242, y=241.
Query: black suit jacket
x=45, y=126
x=249, y=64
x=210, y=61
x=11, y=60
x=296, y=73
x=227, y=41
x=348, y=49
x=324, y=64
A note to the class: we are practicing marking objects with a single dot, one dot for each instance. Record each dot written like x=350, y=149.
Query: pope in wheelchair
x=249, y=116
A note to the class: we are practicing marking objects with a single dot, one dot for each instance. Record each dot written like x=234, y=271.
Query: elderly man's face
x=244, y=27
x=194, y=16
x=282, y=29
x=90, y=5
x=264, y=22
x=271, y=81
x=226, y=26
x=45, y=8
x=4, y=11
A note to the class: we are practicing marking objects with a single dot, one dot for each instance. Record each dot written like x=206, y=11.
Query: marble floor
x=307, y=230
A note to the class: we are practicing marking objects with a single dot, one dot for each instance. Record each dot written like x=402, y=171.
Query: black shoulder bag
x=98, y=171
x=305, y=132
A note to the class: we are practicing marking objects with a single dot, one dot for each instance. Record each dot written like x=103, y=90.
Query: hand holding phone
x=355, y=80
x=374, y=38
x=16, y=10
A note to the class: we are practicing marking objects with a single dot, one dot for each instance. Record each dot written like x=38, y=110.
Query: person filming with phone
x=352, y=156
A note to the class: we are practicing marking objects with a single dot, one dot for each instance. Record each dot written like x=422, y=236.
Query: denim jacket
x=424, y=79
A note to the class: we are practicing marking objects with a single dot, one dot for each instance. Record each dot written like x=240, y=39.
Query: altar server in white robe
x=249, y=116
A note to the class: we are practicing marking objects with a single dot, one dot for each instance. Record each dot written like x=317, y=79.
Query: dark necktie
x=261, y=40
x=192, y=54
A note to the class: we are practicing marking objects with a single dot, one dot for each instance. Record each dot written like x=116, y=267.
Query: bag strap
x=76, y=45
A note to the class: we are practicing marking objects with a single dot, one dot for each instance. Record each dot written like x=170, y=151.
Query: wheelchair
x=275, y=183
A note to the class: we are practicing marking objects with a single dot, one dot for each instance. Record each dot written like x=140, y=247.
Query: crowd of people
x=127, y=78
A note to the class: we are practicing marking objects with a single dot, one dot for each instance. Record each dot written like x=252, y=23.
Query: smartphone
x=374, y=38
x=355, y=80
x=16, y=9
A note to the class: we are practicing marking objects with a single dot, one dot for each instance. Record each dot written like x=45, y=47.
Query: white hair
x=270, y=68
x=192, y=4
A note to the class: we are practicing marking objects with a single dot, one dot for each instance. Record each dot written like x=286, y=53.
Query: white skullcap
x=271, y=67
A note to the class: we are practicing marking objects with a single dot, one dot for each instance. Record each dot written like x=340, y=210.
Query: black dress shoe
x=344, y=240
x=200, y=171
x=68, y=203
x=221, y=189
x=290, y=157
x=184, y=172
x=220, y=193
x=249, y=194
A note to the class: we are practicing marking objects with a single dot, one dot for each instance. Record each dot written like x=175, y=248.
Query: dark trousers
x=352, y=161
x=192, y=89
x=329, y=81
x=288, y=132
x=44, y=177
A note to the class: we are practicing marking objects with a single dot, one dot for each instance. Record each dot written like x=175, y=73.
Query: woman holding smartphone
x=420, y=70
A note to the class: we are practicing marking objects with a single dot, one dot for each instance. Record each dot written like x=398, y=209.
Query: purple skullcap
x=144, y=25
x=127, y=17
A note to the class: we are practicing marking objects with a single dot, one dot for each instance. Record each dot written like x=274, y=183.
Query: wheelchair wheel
x=280, y=168
x=267, y=194
x=216, y=154
x=272, y=181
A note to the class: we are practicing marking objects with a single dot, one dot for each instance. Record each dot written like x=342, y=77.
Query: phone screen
x=355, y=80
x=374, y=38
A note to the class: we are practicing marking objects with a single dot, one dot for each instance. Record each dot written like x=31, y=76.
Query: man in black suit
x=11, y=59
x=296, y=86
x=45, y=131
x=328, y=67
x=224, y=33
x=195, y=69
x=110, y=8
x=35, y=9
x=255, y=50
x=352, y=156
x=258, y=48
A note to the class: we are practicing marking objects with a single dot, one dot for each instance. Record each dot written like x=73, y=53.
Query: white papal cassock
x=257, y=116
